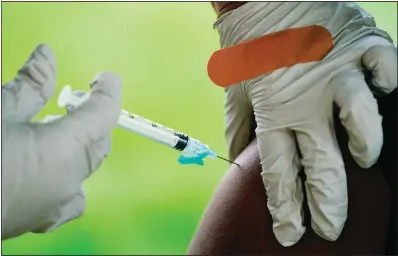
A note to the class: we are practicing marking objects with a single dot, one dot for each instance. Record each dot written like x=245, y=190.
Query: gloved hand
x=44, y=164
x=293, y=109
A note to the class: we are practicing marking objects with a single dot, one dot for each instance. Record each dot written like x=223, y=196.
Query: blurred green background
x=141, y=201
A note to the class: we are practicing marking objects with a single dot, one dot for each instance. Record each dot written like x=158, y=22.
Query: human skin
x=237, y=220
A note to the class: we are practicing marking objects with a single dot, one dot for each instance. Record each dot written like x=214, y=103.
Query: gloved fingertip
x=109, y=85
x=46, y=51
x=365, y=158
x=107, y=79
x=381, y=61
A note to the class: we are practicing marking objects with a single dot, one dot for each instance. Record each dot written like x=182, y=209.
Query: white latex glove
x=293, y=109
x=44, y=164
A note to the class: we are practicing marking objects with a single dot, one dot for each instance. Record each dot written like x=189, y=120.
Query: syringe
x=193, y=150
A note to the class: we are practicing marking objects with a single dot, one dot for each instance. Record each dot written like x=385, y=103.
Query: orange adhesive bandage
x=267, y=53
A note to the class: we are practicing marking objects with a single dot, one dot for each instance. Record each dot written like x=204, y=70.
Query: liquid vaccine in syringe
x=147, y=128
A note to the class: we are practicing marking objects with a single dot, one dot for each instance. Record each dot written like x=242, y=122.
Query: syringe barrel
x=138, y=125
x=161, y=134
x=152, y=130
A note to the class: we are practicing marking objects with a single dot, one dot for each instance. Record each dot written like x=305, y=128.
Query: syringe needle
x=222, y=158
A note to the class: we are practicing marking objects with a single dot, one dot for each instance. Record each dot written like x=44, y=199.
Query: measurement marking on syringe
x=182, y=139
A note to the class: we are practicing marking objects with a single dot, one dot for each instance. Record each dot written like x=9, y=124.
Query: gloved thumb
x=28, y=92
x=381, y=61
x=96, y=117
